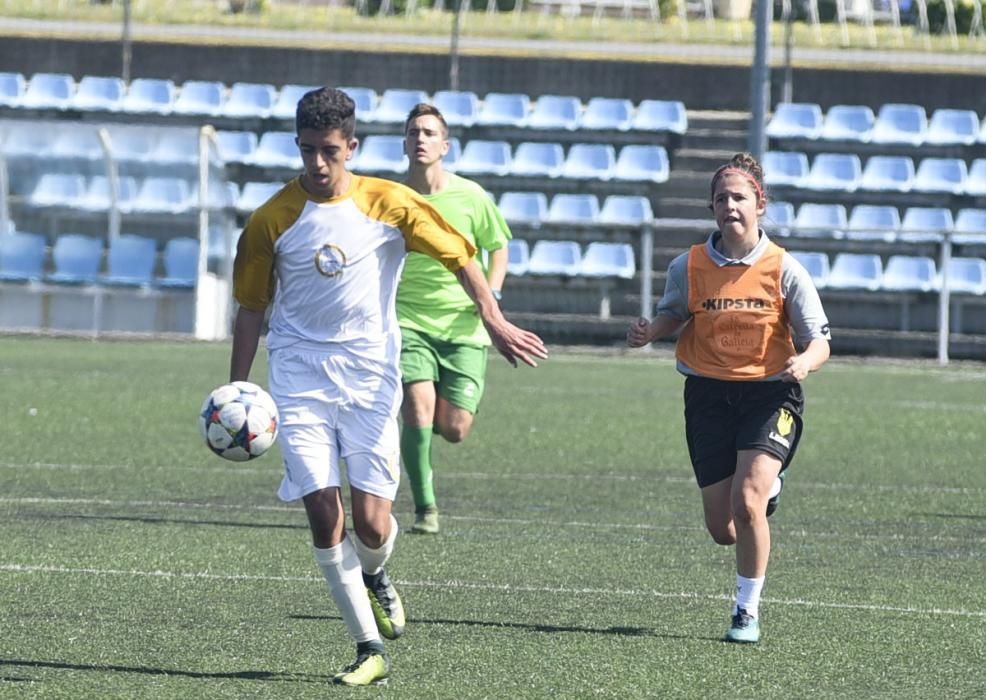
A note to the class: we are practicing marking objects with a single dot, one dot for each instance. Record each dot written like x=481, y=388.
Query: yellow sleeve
x=253, y=267
x=424, y=229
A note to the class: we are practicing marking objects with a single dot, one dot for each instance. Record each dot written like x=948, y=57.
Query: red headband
x=728, y=170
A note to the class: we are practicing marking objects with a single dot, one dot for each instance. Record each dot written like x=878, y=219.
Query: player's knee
x=746, y=510
x=722, y=532
x=370, y=534
x=455, y=433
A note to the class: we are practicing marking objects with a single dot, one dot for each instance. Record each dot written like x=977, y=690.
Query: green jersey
x=430, y=299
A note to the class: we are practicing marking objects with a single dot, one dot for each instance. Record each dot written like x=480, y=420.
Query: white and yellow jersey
x=331, y=266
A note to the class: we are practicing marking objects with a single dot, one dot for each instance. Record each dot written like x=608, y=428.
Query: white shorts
x=335, y=405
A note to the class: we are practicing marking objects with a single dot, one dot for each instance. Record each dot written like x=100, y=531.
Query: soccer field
x=573, y=561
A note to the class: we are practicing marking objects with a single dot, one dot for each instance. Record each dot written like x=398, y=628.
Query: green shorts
x=457, y=370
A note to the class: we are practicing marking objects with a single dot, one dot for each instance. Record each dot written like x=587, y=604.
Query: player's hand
x=795, y=369
x=517, y=344
x=640, y=333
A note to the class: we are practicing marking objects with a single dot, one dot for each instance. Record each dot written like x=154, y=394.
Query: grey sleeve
x=675, y=300
x=802, y=303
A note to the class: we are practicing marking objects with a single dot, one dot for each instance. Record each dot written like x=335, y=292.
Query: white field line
x=506, y=588
x=512, y=476
x=523, y=522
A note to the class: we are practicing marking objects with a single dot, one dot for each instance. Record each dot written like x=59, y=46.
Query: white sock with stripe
x=748, y=595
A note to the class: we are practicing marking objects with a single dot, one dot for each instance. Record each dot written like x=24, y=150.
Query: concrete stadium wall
x=723, y=87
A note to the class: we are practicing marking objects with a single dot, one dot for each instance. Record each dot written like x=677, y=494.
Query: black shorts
x=723, y=417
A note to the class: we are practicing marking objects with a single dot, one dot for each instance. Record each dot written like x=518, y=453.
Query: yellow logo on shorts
x=785, y=422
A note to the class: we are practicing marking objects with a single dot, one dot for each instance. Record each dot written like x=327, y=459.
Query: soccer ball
x=238, y=421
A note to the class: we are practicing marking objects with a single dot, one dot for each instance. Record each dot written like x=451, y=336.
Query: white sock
x=341, y=569
x=748, y=595
x=372, y=560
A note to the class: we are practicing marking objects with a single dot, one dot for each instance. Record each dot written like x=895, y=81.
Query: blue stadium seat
x=642, y=163
x=22, y=256
x=970, y=226
x=630, y=210
x=661, y=115
x=249, y=101
x=848, y=123
x=98, y=93
x=58, y=190
x=365, y=99
x=236, y=146
x=536, y=159
x=254, y=194
x=163, y=195
x=220, y=194
x=98, y=196
x=276, y=149
x=181, y=263
x=77, y=259
x=12, y=86
x=608, y=113
x=967, y=275
x=779, y=217
x=518, y=256
x=48, y=91
x=795, y=120
x=953, y=127
x=201, y=97
x=856, y=271
x=887, y=174
x=820, y=221
x=555, y=112
x=149, y=96
x=910, y=273
x=395, y=103
x=604, y=259
x=480, y=157
x=460, y=108
x=131, y=144
x=504, y=109
x=869, y=222
x=975, y=183
x=286, y=104
x=451, y=158
x=941, y=175
x=176, y=147
x=555, y=258
x=130, y=262
x=784, y=168
x=817, y=265
x=379, y=153
x=900, y=124
x=834, y=172
x=574, y=209
x=76, y=147
x=528, y=208
x=925, y=224
x=589, y=161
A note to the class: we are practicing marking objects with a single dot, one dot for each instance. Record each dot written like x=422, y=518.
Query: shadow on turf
x=243, y=675
x=953, y=516
x=617, y=631
x=154, y=520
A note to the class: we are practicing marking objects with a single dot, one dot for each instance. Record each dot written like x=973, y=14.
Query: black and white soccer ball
x=239, y=421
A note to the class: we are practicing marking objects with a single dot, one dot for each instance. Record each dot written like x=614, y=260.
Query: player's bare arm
x=513, y=343
x=645, y=332
x=810, y=360
x=246, y=338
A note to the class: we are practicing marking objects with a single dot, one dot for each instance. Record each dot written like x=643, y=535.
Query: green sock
x=416, y=451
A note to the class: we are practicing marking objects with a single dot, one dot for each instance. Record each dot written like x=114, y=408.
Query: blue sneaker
x=744, y=629
x=774, y=500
